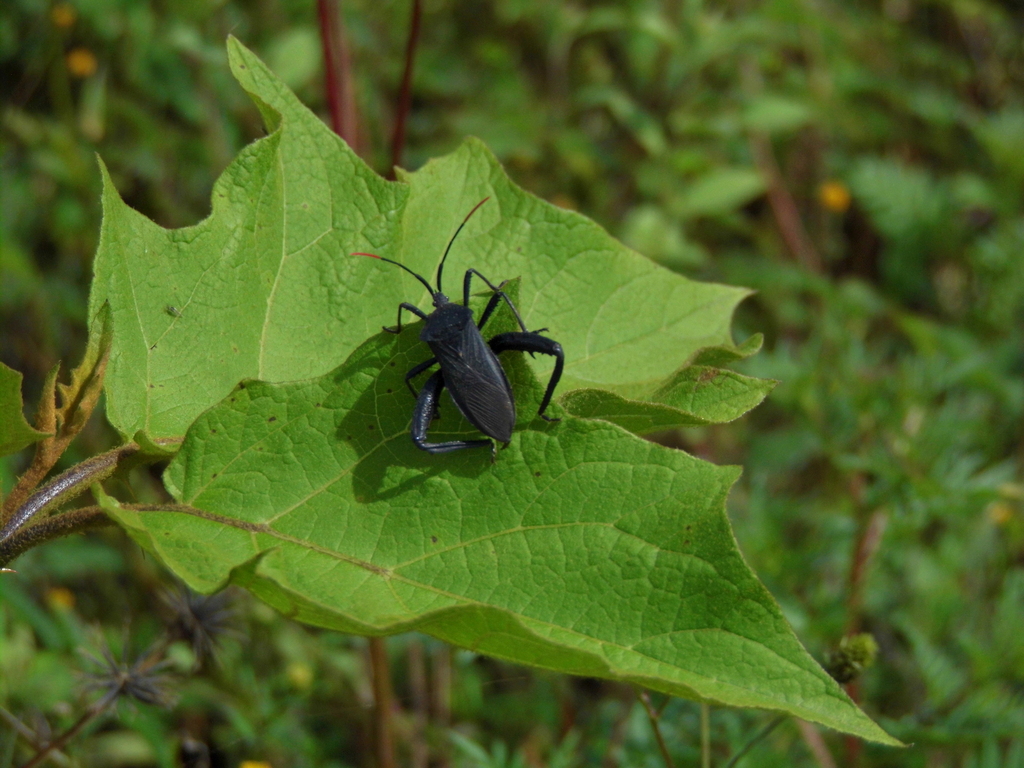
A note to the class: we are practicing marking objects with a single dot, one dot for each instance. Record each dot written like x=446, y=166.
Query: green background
x=900, y=359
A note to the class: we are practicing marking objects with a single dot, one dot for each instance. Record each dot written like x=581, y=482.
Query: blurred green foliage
x=895, y=131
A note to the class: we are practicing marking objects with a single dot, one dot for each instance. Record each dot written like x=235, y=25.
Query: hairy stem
x=78, y=399
x=47, y=451
x=65, y=487
x=53, y=528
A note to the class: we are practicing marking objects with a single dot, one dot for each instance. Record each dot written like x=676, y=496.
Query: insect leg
x=423, y=414
x=408, y=308
x=416, y=371
x=493, y=303
x=533, y=342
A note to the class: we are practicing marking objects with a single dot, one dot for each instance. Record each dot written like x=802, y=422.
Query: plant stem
x=441, y=667
x=47, y=451
x=29, y=735
x=327, y=15
x=90, y=714
x=62, y=424
x=89, y=517
x=418, y=687
x=784, y=208
x=382, y=695
x=405, y=93
x=338, y=73
x=864, y=552
x=865, y=549
x=705, y=735
x=65, y=487
x=645, y=699
x=816, y=744
x=53, y=528
x=757, y=737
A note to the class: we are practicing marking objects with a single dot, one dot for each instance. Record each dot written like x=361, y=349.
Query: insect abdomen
x=477, y=384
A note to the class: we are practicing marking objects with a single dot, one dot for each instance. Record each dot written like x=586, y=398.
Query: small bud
x=854, y=654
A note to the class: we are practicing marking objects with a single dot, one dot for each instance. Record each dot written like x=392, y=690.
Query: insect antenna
x=440, y=267
x=398, y=264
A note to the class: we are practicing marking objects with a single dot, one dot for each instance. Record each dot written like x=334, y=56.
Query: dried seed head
x=140, y=678
x=200, y=620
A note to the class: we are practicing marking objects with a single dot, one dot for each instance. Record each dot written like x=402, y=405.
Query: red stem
x=784, y=207
x=338, y=73
x=816, y=744
x=419, y=753
x=868, y=542
x=866, y=548
x=383, y=698
x=405, y=94
x=441, y=666
x=327, y=13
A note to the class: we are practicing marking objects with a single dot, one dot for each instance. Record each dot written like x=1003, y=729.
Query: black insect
x=469, y=365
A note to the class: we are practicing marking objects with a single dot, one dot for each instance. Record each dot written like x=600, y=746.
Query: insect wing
x=478, y=385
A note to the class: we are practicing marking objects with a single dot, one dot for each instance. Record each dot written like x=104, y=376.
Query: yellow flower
x=254, y=764
x=834, y=196
x=82, y=62
x=63, y=15
x=60, y=598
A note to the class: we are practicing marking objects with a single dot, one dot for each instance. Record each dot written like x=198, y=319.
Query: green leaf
x=697, y=395
x=715, y=394
x=776, y=114
x=721, y=191
x=582, y=548
x=266, y=288
x=15, y=432
x=728, y=353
